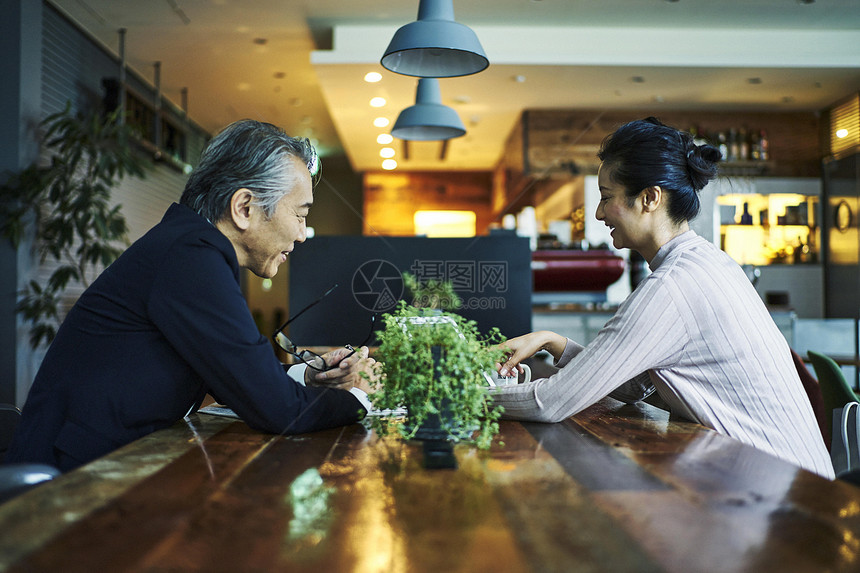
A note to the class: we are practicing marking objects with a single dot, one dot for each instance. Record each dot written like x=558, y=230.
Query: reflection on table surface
x=615, y=488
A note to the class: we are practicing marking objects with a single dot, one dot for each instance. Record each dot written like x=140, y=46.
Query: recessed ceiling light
x=386, y=152
x=377, y=102
x=659, y=99
x=389, y=164
x=519, y=78
x=384, y=138
x=381, y=122
x=841, y=133
x=372, y=77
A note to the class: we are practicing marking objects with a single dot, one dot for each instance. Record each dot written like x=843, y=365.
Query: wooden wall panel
x=391, y=199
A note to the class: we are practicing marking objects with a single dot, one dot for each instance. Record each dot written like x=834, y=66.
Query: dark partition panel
x=841, y=237
x=492, y=275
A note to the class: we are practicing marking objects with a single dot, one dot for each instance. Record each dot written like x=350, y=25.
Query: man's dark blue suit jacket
x=162, y=326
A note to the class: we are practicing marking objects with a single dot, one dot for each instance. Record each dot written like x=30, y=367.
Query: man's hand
x=345, y=366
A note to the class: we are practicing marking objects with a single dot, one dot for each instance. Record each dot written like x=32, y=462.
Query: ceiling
x=300, y=63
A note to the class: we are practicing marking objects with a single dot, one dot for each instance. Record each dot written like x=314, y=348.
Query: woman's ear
x=651, y=198
x=241, y=206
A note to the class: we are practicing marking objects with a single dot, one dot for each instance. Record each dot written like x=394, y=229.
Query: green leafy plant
x=433, y=363
x=432, y=293
x=67, y=203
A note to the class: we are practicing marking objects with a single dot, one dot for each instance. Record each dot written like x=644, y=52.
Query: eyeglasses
x=308, y=357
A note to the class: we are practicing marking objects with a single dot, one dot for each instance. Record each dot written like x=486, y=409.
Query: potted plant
x=434, y=363
x=67, y=203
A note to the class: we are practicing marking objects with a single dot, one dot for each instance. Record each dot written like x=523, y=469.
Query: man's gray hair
x=247, y=154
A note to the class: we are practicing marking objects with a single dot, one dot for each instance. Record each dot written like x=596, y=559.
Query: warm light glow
x=385, y=138
x=445, y=223
x=386, y=152
x=389, y=164
x=840, y=133
x=377, y=102
x=372, y=77
x=381, y=122
x=267, y=285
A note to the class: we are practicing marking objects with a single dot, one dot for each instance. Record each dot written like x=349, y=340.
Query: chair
x=15, y=479
x=835, y=391
x=813, y=392
x=9, y=418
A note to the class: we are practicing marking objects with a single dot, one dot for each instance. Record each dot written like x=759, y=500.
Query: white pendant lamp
x=428, y=119
x=435, y=46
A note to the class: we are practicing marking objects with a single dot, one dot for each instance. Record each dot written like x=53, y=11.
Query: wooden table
x=615, y=488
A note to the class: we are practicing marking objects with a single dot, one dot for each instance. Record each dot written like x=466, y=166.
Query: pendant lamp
x=428, y=119
x=435, y=46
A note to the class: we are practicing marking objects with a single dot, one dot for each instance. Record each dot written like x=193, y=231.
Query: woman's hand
x=528, y=345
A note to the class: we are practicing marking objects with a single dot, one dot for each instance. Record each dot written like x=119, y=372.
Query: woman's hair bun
x=702, y=164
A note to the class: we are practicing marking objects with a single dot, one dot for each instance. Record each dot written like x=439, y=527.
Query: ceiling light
x=386, y=152
x=389, y=164
x=841, y=133
x=384, y=138
x=372, y=77
x=435, y=46
x=377, y=102
x=428, y=119
x=381, y=122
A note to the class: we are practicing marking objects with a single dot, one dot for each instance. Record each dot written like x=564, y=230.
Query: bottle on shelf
x=763, y=145
x=723, y=145
x=746, y=217
x=734, y=145
x=743, y=145
x=801, y=252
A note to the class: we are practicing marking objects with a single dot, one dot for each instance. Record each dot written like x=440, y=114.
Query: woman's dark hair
x=647, y=153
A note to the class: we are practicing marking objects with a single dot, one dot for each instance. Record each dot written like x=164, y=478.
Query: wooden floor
x=616, y=488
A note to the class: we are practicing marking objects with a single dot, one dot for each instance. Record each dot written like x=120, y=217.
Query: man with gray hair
x=167, y=323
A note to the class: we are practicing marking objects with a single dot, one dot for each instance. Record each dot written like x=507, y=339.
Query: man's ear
x=651, y=198
x=241, y=206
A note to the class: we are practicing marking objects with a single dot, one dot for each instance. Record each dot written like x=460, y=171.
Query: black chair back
x=9, y=418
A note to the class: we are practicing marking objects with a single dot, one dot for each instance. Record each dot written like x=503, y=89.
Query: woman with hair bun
x=694, y=330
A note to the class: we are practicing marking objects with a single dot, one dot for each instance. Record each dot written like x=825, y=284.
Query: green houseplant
x=434, y=363
x=67, y=203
